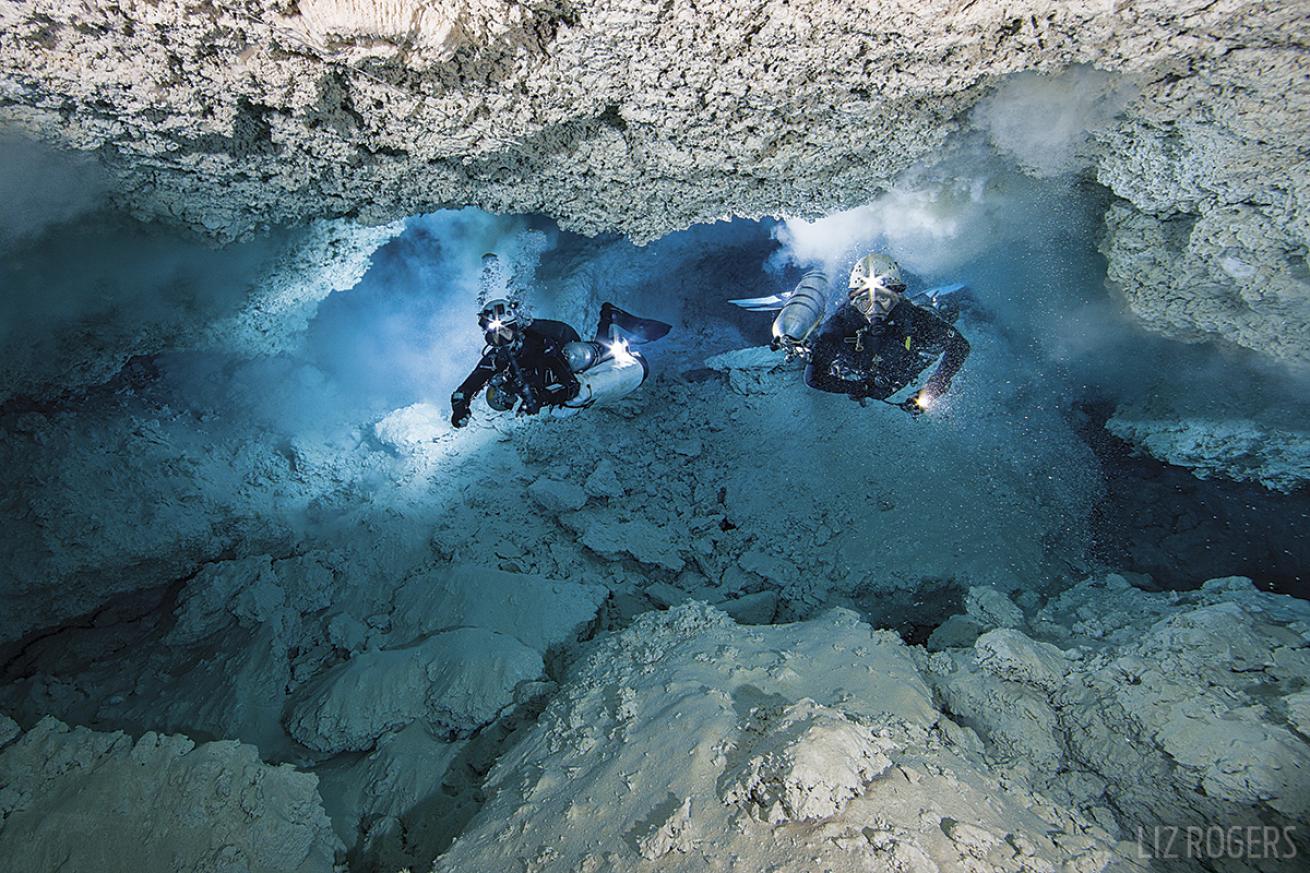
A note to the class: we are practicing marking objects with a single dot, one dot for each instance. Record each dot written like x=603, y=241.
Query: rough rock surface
x=230, y=116
x=809, y=762
x=991, y=608
x=1225, y=436
x=540, y=613
x=707, y=744
x=1140, y=708
x=695, y=743
x=385, y=805
x=461, y=641
x=456, y=681
x=553, y=495
x=74, y=799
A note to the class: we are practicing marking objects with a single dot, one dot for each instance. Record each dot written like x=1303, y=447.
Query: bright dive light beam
x=619, y=350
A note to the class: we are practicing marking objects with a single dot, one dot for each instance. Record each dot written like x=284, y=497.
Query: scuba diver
x=538, y=363
x=878, y=342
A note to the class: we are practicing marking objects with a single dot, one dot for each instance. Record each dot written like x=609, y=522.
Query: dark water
x=1161, y=521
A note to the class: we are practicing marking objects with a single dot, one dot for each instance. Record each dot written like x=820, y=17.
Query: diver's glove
x=460, y=412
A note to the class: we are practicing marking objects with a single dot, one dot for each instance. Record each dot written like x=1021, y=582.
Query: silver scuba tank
x=608, y=372
x=803, y=311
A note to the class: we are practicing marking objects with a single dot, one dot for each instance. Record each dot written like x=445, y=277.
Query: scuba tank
x=605, y=372
x=802, y=312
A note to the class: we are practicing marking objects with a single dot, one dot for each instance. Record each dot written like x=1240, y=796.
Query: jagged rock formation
x=693, y=742
x=226, y=117
x=826, y=745
x=1237, y=437
x=1143, y=708
x=76, y=799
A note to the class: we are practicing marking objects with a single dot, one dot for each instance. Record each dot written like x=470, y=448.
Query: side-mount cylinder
x=802, y=312
x=606, y=373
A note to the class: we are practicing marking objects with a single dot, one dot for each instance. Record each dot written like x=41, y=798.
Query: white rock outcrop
x=75, y=799
x=537, y=612
x=454, y=681
x=1228, y=437
x=1141, y=707
x=693, y=742
x=808, y=761
x=382, y=804
x=462, y=640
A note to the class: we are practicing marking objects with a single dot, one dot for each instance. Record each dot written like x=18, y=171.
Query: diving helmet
x=501, y=320
x=876, y=285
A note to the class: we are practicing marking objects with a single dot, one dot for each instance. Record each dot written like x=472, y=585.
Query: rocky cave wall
x=230, y=117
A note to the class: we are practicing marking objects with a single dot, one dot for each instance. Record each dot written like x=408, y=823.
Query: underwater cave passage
x=295, y=537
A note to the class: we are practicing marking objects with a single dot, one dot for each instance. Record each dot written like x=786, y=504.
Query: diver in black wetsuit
x=879, y=342
x=532, y=362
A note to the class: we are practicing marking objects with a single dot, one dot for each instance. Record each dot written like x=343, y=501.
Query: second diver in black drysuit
x=878, y=341
x=532, y=362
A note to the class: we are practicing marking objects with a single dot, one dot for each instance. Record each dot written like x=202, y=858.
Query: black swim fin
x=630, y=327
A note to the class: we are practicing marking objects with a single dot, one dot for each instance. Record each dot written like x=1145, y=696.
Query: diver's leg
x=628, y=326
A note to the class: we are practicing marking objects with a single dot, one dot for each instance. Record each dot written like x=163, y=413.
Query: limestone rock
x=672, y=835
x=76, y=799
x=223, y=593
x=556, y=496
x=808, y=763
x=383, y=803
x=771, y=567
x=753, y=358
x=1298, y=711
x=457, y=680
x=540, y=613
x=1010, y=655
x=757, y=608
x=604, y=481
x=413, y=428
x=956, y=631
x=388, y=108
x=709, y=731
x=1153, y=709
x=665, y=595
x=346, y=632
x=638, y=539
x=991, y=608
x=1221, y=437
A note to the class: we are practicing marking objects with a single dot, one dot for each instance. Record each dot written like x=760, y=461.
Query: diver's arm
x=461, y=401
x=956, y=348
